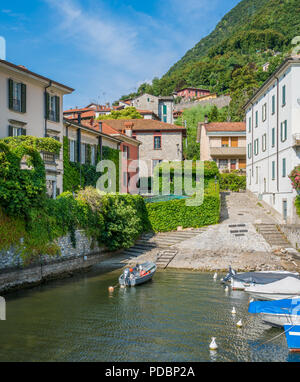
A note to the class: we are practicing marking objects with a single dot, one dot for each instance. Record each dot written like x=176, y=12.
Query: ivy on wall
x=77, y=175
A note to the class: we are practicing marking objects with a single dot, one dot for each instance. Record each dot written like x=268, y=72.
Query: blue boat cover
x=289, y=306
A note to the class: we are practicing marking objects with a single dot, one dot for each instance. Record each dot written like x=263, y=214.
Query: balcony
x=296, y=139
x=225, y=152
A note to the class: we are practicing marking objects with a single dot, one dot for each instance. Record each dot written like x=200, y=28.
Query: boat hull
x=280, y=320
x=292, y=334
x=271, y=296
x=137, y=279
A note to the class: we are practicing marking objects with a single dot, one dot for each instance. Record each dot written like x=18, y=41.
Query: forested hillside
x=230, y=59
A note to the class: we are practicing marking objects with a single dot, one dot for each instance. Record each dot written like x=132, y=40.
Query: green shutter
x=285, y=130
x=273, y=137
x=57, y=108
x=10, y=131
x=283, y=95
x=273, y=104
x=47, y=105
x=10, y=94
x=283, y=168
x=273, y=170
x=23, y=98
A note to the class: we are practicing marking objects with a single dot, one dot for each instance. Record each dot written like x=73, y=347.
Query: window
x=52, y=108
x=164, y=109
x=223, y=164
x=256, y=119
x=165, y=119
x=273, y=137
x=225, y=142
x=256, y=143
x=157, y=143
x=273, y=104
x=264, y=112
x=283, y=167
x=250, y=150
x=14, y=131
x=283, y=131
x=16, y=96
x=284, y=95
x=273, y=170
x=250, y=125
x=72, y=151
x=264, y=142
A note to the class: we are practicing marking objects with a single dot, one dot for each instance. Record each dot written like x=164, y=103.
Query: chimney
x=100, y=126
x=2, y=48
x=206, y=118
x=128, y=128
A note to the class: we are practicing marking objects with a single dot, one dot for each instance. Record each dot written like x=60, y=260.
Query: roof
x=110, y=131
x=191, y=88
x=286, y=63
x=24, y=70
x=143, y=125
x=225, y=126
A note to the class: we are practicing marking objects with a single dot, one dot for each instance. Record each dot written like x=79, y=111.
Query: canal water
x=171, y=318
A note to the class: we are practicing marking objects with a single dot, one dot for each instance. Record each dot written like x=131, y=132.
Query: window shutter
x=10, y=131
x=285, y=130
x=57, y=108
x=47, y=105
x=10, y=94
x=23, y=98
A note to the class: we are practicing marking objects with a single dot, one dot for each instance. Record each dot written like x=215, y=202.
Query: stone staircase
x=159, y=242
x=273, y=235
x=164, y=258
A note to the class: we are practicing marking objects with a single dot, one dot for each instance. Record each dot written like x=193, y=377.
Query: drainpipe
x=45, y=92
x=252, y=139
x=277, y=136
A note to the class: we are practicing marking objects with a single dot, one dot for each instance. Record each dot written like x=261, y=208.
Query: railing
x=49, y=158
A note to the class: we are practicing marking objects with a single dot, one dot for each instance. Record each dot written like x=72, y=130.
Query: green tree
x=127, y=113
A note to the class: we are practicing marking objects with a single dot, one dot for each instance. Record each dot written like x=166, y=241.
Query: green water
x=171, y=318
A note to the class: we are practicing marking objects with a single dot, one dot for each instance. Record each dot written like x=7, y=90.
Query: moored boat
x=287, y=288
x=277, y=313
x=292, y=333
x=240, y=281
x=138, y=275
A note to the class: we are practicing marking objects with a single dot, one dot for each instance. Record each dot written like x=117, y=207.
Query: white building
x=273, y=139
x=31, y=104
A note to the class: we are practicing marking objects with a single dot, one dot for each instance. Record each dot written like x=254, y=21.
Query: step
x=148, y=246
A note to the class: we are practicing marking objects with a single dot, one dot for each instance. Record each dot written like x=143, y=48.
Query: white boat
x=240, y=281
x=277, y=313
x=287, y=288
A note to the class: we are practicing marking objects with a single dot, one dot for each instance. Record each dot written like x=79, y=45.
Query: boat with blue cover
x=292, y=333
x=277, y=313
x=138, y=275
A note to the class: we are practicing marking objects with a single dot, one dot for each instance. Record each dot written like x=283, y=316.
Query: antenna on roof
x=2, y=48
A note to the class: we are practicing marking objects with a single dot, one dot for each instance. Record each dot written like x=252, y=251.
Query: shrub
x=295, y=178
x=167, y=216
x=232, y=182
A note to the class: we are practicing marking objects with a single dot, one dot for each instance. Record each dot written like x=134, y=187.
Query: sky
x=104, y=48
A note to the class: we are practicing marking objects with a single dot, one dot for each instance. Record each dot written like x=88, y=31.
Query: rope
x=274, y=338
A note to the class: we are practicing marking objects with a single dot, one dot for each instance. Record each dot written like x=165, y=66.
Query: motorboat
x=240, y=281
x=138, y=275
x=287, y=288
x=277, y=313
x=292, y=333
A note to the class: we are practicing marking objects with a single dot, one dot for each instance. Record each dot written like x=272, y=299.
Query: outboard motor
x=229, y=275
x=127, y=276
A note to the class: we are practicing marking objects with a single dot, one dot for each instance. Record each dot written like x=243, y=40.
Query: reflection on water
x=170, y=319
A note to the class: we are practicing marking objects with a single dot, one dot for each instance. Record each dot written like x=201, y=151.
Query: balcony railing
x=49, y=158
x=228, y=151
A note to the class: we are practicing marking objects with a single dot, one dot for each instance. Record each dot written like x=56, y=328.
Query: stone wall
x=292, y=232
x=14, y=275
x=219, y=102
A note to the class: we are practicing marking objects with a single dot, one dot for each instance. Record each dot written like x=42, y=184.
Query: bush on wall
x=167, y=216
x=232, y=182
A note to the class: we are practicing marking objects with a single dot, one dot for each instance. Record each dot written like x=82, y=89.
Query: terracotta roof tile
x=225, y=126
x=142, y=124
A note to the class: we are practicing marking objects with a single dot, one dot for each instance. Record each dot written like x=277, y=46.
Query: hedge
x=167, y=216
x=232, y=182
